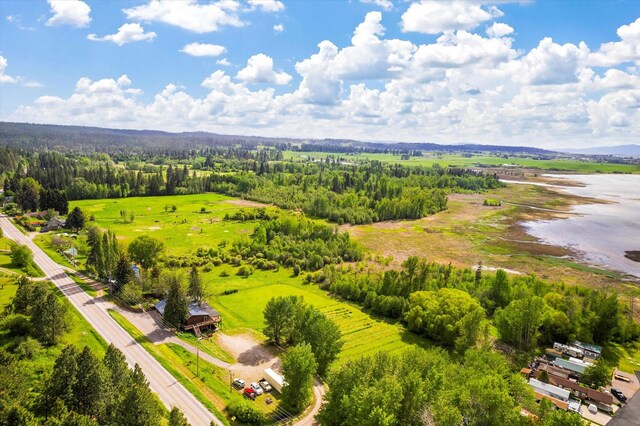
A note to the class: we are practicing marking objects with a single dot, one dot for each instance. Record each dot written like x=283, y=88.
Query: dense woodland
x=331, y=189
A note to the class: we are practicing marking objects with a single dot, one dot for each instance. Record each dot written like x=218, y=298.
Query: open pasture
x=456, y=160
x=182, y=231
x=362, y=333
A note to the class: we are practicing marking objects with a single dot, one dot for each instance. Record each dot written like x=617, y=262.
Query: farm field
x=182, y=231
x=362, y=333
x=445, y=160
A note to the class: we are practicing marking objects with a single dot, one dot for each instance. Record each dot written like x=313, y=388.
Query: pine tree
x=139, y=406
x=123, y=273
x=63, y=379
x=49, y=318
x=76, y=219
x=177, y=307
x=90, y=386
x=176, y=418
x=195, y=291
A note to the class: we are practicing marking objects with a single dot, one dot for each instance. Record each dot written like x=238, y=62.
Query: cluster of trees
x=348, y=193
x=526, y=311
x=298, y=242
x=81, y=390
x=22, y=257
x=290, y=320
x=104, y=254
x=36, y=312
x=427, y=387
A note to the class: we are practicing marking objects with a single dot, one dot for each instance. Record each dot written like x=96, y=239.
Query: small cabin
x=200, y=316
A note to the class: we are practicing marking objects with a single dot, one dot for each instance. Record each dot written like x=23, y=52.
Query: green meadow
x=455, y=160
x=182, y=231
x=362, y=333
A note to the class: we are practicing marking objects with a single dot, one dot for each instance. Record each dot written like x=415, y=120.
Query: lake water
x=600, y=233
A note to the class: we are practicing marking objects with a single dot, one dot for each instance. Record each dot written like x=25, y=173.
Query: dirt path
x=318, y=393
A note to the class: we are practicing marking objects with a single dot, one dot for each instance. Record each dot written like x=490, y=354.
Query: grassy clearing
x=7, y=263
x=362, y=333
x=182, y=231
x=627, y=358
x=454, y=160
x=207, y=346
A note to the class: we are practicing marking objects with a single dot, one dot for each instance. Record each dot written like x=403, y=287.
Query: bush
x=208, y=267
x=246, y=412
x=230, y=291
x=224, y=274
x=21, y=256
x=244, y=271
x=16, y=325
x=28, y=348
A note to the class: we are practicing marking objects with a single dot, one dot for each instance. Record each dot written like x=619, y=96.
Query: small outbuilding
x=200, y=316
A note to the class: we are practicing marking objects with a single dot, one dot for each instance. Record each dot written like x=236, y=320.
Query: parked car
x=592, y=409
x=239, y=383
x=256, y=388
x=249, y=393
x=265, y=385
x=619, y=395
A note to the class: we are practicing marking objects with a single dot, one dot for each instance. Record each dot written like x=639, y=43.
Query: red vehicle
x=249, y=393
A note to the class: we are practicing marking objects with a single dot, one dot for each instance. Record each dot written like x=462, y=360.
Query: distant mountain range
x=65, y=138
x=632, y=150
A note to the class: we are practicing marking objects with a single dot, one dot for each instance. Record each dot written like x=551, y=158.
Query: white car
x=238, y=383
x=265, y=385
x=256, y=388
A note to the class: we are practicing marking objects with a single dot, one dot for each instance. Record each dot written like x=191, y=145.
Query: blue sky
x=542, y=73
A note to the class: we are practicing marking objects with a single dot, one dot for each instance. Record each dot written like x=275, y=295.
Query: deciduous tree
x=298, y=366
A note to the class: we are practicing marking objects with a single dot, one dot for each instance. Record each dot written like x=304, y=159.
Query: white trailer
x=275, y=380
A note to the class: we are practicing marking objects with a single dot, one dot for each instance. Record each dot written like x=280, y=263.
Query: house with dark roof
x=54, y=224
x=200, y=316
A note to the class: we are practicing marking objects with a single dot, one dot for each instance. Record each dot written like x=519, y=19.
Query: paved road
x=170, y=391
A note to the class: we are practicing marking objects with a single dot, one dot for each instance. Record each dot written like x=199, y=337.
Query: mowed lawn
x=362, y=333
x=445, y=160
x=182, y=231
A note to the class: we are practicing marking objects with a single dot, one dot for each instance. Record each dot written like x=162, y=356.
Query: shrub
x=16, y=325
x=224, y=274
x=28, y=348
x=245, y=271
x=246, y=412
x=208, y=267
x=230, y=291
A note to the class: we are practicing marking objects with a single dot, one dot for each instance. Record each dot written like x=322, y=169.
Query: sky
x=549, y=74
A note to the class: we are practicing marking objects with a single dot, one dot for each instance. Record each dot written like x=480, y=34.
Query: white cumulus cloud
x=384, y=4
x=498, y=29
x=259, y=69
x=278, y=28
x=3, y=77
x=69, y=12
x=189, y=14
x=127, y=33
x=203, y=49
x=433, y=17
x=619, y=52
x=266, y=5
x=224, y=62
